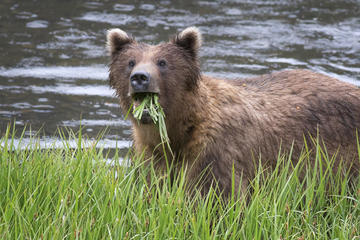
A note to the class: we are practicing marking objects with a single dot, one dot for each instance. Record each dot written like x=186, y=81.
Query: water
x=53, y=63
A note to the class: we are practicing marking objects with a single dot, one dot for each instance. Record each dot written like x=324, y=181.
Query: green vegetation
x=73, y=193
x=151, y=103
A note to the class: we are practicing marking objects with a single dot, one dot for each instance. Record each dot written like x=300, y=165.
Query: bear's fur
x=217, y=125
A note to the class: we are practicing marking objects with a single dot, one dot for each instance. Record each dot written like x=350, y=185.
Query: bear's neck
x=201, y=115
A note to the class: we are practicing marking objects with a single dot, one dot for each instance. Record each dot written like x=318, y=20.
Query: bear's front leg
x=214, y=169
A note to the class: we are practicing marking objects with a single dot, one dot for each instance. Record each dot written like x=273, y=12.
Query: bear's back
x=298, y=103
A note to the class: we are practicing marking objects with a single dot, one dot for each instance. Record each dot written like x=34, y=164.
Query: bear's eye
x=162, y=63
x=131, y=63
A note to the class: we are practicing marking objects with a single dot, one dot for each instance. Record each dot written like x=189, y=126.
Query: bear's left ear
x=189, y=39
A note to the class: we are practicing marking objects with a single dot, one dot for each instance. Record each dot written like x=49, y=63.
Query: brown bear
x=223, y=126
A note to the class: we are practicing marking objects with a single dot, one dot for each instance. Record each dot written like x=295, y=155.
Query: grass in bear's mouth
x=149, y=102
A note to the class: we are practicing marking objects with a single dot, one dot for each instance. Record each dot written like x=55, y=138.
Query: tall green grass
x=71, y=193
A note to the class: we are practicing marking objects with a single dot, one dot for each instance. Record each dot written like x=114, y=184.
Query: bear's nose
x=140, y=81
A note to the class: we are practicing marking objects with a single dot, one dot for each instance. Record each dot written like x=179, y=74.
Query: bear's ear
x=116, y=40
x=190, y=39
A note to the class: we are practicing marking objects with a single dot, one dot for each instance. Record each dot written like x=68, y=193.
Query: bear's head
x=169, y=69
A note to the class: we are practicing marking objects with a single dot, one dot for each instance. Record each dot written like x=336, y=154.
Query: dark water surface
x=53, y=63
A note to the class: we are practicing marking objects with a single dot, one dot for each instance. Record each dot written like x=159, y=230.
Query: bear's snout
x=140, y=81
x=144, y=79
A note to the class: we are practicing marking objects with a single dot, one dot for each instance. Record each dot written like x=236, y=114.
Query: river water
x=53, y=63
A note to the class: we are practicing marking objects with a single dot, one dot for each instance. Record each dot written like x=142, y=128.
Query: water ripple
x=98, y=72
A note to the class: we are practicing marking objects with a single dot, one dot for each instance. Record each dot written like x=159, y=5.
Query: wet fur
x=217, y=124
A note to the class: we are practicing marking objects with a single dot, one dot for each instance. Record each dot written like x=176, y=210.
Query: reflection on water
x=53, y=63
x=51, y=142
x=57, y=72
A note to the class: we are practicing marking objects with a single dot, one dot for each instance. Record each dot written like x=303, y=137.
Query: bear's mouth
x=138, y=98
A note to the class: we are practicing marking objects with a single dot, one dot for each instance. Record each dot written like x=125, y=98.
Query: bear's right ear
x=116, y=40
